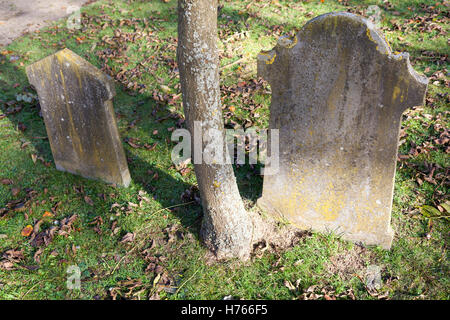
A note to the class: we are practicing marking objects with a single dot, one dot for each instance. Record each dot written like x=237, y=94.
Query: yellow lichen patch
x=294, y=41
x=397, y=56
x=75, y=60
x=73, y=131
x=335, y=24
x=66, y=56
x=329, y=209
x=331, y=203
x=395, y=93
x=387, y=42
x=294, y=203
x=370, y=37
x=267, y=56
x=271, y=60
x=288, y=42
x=363, y=218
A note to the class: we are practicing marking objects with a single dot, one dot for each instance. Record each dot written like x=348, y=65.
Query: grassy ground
x=127, y=245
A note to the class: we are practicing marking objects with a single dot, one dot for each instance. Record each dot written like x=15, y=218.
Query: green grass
x=415, y=268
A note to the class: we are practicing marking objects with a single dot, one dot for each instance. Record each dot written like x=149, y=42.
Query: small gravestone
x=76, y=102
x=338, y=93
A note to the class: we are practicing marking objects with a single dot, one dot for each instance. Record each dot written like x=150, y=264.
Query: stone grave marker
x=76, y=102
x=338, y=93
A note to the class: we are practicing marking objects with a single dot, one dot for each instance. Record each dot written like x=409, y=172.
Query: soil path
x=20, y=16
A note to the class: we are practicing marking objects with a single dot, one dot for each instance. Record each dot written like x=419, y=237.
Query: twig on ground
x=179, y=288
x=232, y=64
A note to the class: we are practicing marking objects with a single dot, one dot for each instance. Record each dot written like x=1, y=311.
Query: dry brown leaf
x=88, y=200
x=129, y=237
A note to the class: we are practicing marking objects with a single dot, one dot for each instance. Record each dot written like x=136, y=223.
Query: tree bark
x=227, y=228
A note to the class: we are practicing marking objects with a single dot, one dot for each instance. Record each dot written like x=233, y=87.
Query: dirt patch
x=349, y=263
x=270, y=233
x=20, y=16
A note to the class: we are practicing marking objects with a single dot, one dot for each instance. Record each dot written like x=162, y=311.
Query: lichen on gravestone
x=338, y=93
x=76, y=102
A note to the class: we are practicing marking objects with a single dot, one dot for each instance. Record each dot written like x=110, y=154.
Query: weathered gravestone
x=76, y=102
x=338, y=93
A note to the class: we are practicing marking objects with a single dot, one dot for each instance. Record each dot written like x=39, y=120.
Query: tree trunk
x=227, y=228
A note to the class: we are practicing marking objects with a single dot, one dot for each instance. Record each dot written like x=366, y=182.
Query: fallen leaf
x=47, y=214
x=129, y=237
x=88, y=200
x=37, y=255
x=6, y=265
x=66, y=225
x=6, y=181
x=429, y=211
x=15, y=191
x=26, y=232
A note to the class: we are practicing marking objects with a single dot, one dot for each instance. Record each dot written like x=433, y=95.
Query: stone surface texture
x=338, y=93
x=76, y=102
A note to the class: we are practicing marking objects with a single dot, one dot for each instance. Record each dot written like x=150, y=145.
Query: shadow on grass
x=166, y=190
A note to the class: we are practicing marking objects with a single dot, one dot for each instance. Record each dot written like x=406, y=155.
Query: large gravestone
x=338, y=93
x=76, y=102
